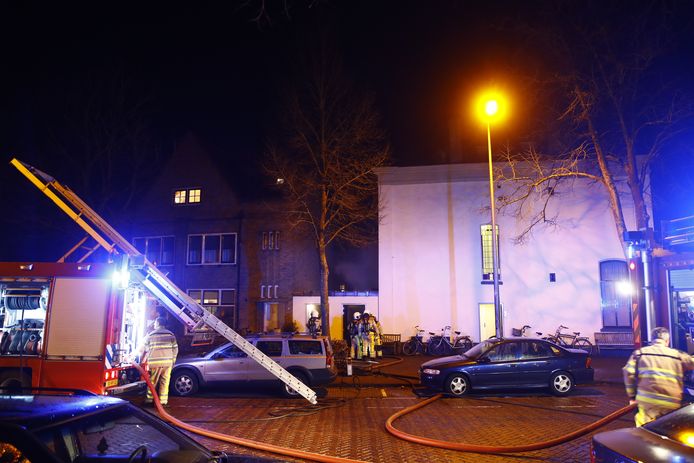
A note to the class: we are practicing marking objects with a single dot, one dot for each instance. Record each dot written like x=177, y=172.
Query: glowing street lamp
x=491, y=109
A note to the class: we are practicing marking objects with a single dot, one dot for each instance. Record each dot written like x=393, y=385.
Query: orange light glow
x=687, y=438
x=491, y=106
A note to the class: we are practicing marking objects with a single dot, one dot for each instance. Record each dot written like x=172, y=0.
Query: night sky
x=211, y=68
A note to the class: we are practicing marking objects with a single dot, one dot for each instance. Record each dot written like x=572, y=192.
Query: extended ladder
x=180, y=304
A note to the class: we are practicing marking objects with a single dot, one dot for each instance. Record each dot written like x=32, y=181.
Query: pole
x=495, y=242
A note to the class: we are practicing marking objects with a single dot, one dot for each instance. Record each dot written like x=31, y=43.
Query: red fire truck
x=70, y=325
x=75, y=325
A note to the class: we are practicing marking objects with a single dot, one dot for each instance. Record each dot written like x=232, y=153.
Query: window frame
x=220, y=248
x=187, y=195
x=220, y=305
x=160, y=262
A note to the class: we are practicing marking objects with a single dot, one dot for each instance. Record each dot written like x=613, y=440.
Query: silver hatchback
x=309, y=359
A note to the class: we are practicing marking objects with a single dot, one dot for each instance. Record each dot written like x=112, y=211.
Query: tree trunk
x=324, y=268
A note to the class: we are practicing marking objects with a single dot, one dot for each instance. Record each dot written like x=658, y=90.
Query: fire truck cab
x=71, y=325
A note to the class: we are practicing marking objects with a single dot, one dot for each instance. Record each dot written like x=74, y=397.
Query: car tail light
x=589, y=361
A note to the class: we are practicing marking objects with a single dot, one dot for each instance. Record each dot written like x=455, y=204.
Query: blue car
x=511, y=363
x=669, y=439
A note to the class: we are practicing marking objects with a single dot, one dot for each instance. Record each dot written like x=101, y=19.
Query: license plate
x=112, y=382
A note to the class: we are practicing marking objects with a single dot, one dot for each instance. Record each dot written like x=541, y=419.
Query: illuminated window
x=158, y=249
x=194, y=196
x=188, y=196
x=180, y=197
x=487, y=252
x=212, y=249
x=615, y=303
x=220, y=302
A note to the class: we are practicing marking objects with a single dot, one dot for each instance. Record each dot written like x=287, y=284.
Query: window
x=269, y=291
x=158, y=249
x=270, y=240
x=487, y=252
x=615, y=294
x=305, y=347
x=505, y=352
x=270, y=348
x=220, y=302
x=187, y=196
x=212, y=249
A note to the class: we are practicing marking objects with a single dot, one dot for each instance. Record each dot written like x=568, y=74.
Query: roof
x=32, y=411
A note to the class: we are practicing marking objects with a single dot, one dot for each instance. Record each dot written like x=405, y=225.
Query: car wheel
x=458, y=385
x=184, y=383
x=561, y=383
x=290, y=393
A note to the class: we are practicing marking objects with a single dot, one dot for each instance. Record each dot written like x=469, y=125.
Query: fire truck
x=70, y=325
x=79, y=325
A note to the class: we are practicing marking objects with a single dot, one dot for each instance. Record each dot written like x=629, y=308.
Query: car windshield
x=117, y=432
x=478, y=350
x=678, y=425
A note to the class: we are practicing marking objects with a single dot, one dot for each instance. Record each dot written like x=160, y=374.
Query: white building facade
x=431, y=274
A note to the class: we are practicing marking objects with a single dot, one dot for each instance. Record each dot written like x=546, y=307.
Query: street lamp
x=491, y=111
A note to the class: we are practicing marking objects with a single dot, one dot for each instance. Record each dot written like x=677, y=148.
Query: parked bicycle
x=575, y=340
x=520, y=332
x=446, y=344
x=414, y=345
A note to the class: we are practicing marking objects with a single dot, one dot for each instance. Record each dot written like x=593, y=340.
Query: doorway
x=348, y=311
x=487, y=321
x=269, y=313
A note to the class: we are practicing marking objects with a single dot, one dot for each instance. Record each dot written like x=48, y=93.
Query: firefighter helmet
x=357, y=315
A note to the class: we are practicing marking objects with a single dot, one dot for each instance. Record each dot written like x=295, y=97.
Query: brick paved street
x=353, y=425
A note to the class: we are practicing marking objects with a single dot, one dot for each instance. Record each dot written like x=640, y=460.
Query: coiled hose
x=488, y=448
x=495, y=449
x=237, y=440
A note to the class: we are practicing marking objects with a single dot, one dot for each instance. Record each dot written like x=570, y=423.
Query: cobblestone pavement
x=350, y=422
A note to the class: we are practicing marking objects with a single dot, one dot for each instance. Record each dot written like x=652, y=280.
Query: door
x=271, y=317
x=229, y=364
x=271, y=348
x=499, y=366
x=348, y=311
x=487, y=321
x=534, y=365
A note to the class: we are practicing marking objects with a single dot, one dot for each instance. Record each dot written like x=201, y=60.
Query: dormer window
x=187, y=196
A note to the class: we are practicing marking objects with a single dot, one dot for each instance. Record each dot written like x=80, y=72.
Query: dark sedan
x=669, y=439
x=512, y=363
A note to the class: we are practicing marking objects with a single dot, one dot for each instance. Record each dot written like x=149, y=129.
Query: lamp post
x=491, y=108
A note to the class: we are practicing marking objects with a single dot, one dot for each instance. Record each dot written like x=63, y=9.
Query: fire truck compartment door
x=77, y=317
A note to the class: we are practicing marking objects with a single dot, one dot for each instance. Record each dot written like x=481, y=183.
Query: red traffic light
x=632, y=265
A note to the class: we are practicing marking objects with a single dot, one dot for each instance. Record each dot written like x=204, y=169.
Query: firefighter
x=654, y=375
x=313, y=324
x=379, y=337
x=159, y=351
x=354, y=329
x=369, y=334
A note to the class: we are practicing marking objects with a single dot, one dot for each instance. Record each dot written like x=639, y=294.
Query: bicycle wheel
x=463, y=344
x=435, y=347
x=410, y=347
x=584, y=344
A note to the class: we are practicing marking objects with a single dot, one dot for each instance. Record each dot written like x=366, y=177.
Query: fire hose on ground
x=462, y=447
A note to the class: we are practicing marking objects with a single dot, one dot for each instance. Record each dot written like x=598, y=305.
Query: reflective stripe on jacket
x=654, y=375
x=161, y=348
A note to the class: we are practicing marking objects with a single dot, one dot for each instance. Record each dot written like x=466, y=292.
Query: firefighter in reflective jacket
x=369, y=334
x=654, y=376
x=160, y=350
x=354, y=330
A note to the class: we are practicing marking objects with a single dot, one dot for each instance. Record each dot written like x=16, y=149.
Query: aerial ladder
x=180, y=304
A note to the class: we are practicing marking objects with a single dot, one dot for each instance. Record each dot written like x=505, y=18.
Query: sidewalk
x=399, y=371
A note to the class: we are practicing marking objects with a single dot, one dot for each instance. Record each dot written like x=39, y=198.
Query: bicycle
x=575, y=340
x=520, y=332
x=414, y=345
x=462, y=343
x=441, y=344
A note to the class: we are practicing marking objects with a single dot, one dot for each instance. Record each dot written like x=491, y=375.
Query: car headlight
x=429, y=371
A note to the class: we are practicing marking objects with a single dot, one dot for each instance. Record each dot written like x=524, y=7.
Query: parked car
x=510, y=363
x=60, y=426
x=669, y=439
x=309, y=359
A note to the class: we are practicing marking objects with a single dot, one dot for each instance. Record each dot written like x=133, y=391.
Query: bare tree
x=325, y=164
x=617, y=110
